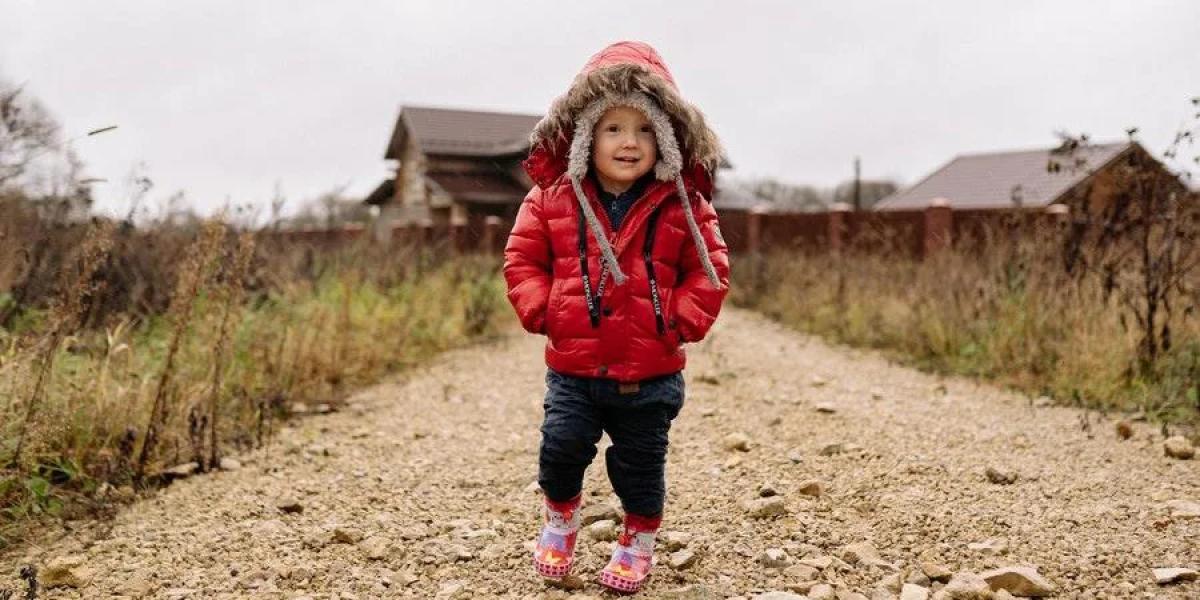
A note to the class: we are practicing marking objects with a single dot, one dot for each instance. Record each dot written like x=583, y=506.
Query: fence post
x=754, y=224
x=939, y=225
x=427, y=233
x=458, y=233
x=837, y=225
x=491, y=233
x=756, y=262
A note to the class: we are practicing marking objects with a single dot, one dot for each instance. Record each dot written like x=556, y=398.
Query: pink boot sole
x=552, y=571
x=618, y=583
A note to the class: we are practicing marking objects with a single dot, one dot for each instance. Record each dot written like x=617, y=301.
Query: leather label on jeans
x=627, y=388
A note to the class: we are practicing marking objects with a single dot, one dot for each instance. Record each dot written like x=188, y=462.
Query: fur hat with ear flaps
x=629, y=74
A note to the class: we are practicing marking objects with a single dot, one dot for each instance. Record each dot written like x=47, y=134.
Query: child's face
x=623, y=148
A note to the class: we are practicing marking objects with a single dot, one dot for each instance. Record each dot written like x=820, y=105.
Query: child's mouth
x=628, y=160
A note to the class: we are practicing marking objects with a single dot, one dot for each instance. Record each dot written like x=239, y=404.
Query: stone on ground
x=761, y=508
x=965, y=585
x=66, y=571
x=1175, y=575
x=1020, y=581
x=1179, y=447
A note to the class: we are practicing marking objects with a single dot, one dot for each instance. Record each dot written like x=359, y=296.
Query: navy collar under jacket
x=618, y=205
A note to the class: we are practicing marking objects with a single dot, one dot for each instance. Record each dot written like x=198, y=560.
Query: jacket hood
x=622, y=70
x=626, y=74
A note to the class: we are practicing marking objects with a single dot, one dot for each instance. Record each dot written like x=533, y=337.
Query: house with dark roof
x=1024, y=179
x=459, y=166
x=452, y=164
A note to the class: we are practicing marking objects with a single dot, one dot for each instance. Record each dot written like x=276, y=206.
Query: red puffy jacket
x=623, y=336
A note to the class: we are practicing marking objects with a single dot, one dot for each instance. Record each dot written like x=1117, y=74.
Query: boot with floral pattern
x=631, y=561
x=555, y=549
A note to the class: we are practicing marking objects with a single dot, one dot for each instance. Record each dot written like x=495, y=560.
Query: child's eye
x=647, y=129
x=612, y=128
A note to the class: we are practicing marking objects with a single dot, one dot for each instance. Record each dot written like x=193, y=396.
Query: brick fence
x=916, y=233
x=477, y=234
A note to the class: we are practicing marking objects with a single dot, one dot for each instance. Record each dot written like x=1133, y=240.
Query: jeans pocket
x=563, y=392
x=560, y=383
x=666, y=392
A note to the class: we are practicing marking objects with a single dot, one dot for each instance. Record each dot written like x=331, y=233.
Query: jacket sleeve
x=527, y=269
x=695, y=303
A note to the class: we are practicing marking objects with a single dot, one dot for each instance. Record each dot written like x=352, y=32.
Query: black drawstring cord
x=593, y=302
x=647, y=254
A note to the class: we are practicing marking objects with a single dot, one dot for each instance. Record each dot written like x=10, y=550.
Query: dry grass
x=1004, y=310
x=101, y=389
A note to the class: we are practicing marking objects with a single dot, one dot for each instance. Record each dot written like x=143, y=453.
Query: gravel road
x=796, y=470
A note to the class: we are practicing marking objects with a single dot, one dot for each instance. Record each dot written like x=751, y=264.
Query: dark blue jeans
x=579, y=409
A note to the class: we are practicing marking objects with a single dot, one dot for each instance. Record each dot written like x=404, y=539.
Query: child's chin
x=627, y=174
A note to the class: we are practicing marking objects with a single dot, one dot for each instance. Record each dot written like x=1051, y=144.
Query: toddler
x=616, y=257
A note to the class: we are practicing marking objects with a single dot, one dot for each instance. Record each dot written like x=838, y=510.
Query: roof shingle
x=463, y=132
x=488, y=188
x=992, y=180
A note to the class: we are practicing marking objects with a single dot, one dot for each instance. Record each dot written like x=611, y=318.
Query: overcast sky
x=222, y=99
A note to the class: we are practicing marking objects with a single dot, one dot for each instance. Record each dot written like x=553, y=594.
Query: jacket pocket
x=669, y=336
x=552, y=307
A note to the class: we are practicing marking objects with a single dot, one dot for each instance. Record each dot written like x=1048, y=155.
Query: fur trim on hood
x=620, y=70
x=627, y=74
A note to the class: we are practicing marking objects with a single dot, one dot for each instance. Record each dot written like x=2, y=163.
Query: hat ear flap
x=670, y=159
x=581, y=142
